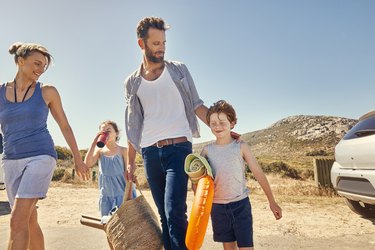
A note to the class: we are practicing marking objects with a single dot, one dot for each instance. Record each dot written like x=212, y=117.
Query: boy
x=231, y=211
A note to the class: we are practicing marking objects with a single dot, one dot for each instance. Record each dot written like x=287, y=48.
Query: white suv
x=353, y=173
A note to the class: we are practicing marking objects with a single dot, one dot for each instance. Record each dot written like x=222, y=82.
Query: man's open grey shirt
x=134, y=111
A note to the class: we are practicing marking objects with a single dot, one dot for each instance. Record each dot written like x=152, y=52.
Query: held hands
x=82, y=170
x=276, y=210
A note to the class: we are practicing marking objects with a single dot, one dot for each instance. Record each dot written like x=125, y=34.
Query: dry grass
x=296, y=191
x=301, y=163
x=75, y=180
x=284, y=189
x=67, y=177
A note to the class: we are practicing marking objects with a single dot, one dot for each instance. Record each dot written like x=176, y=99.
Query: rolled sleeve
x=197, y=101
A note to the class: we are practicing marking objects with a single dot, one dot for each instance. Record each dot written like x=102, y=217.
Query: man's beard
x=150, y=57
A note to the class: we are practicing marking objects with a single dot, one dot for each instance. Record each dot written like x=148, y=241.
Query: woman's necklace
x=15, y=91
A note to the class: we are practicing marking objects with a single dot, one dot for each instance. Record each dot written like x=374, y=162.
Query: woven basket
x=134, y=225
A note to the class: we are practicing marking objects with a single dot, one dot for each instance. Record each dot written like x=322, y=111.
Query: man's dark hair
x=150, y=22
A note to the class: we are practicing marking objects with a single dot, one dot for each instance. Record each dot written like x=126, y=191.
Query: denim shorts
x=28, y=177
x=233, y=222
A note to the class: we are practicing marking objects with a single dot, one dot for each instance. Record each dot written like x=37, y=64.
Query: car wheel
x=364, y=209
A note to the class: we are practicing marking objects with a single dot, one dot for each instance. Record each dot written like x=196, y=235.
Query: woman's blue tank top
x=24, y=126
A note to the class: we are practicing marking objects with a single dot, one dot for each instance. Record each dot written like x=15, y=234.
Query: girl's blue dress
x=111, y=183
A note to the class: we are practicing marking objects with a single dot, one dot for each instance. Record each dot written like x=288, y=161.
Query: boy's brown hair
x=222, y=107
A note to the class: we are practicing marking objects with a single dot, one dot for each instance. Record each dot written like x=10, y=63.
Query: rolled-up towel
x=196, y=167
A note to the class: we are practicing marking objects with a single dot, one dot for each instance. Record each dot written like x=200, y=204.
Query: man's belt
x=170, y=141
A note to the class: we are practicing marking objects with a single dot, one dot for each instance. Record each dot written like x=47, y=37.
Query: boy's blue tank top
x=24, y=126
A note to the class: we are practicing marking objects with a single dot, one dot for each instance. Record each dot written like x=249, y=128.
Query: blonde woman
x=29, y=156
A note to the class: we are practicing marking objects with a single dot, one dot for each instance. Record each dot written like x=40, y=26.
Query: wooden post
x=93, y=175
x=322, y=171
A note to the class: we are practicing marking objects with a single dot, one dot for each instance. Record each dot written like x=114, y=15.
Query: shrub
x=83, y=153
x=58, y=174
x=307, y=174
x=63, y=153
x=320, y=152
x=281, y=168
x=68, y=177
x=64, y=163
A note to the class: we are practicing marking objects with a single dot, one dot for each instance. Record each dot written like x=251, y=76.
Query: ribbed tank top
x=24, y=126
x=229, y=171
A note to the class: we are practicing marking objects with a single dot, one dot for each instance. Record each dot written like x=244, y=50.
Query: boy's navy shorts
x=233, y=222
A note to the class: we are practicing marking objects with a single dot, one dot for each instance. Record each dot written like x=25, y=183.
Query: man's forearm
x=201, y=112
x=131, y=153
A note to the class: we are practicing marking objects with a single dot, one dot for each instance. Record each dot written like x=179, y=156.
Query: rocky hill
x=297, y=139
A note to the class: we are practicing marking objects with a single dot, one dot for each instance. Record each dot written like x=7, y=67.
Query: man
x=162, y=105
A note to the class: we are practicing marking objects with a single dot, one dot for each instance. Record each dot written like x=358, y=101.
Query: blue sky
x=270, y=59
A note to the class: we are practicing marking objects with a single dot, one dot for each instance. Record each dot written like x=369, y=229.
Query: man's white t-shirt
x=164, y=110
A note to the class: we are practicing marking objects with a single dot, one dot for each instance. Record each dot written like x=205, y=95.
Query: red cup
x=102, y=139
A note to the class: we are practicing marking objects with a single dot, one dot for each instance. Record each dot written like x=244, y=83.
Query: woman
x=29, y=156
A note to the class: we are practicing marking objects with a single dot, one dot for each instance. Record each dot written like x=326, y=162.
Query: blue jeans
x=168, y=183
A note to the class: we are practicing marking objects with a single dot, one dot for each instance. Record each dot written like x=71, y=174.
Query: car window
x=363, y=128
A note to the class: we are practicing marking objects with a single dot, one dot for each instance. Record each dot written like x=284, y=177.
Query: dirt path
x=308, y=222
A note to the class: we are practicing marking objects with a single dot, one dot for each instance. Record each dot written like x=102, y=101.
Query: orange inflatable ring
x=200, y=213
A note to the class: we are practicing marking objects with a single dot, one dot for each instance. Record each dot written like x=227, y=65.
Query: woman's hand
x=82, y=170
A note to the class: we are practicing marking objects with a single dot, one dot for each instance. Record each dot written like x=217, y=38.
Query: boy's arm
x=261, y=178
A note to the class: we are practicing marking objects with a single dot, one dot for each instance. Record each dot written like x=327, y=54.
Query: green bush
x=65, y=163
x=83, y=153
x=307, y=174
x=58, y=174
x=281, y=168
x=63, y=153
x=320, y=152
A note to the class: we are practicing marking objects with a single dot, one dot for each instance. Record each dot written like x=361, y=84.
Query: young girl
x=112, y=162
x=231, y=211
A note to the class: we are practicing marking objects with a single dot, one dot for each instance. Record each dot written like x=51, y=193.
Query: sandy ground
x=308, y=223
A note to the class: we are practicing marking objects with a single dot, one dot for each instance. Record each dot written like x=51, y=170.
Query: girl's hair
x=24, y=50
x=222, y=107
x=115, y=127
